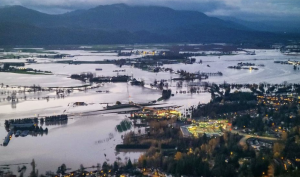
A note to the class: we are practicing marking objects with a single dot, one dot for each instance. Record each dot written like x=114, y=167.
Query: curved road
x=247, y=136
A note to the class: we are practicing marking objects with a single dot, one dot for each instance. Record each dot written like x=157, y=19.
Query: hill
x=277, y=26
x=120, y=23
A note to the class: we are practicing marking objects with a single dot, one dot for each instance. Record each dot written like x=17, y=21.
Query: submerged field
x=87, y=137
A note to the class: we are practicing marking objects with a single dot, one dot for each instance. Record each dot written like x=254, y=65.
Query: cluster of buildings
x=278, y=100
x=138, y=52
x=294, y=48
x=109, y=172
x=210, y=128
x=258, y=144
x=155, y=113
x=288, y=62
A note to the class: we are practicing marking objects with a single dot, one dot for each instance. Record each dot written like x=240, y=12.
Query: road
x=243, y=142
x=97, y=112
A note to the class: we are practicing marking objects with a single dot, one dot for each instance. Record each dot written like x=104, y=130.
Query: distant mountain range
x=120, y=23
x=277, y=26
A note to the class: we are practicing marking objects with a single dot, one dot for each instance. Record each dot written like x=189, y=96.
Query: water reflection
x=79, y=138
x=55, y=120
x=110, y=137
x=23, y=131
x=29, y=126
x=124, y=126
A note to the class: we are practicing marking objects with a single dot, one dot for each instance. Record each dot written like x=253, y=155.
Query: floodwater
x=87, y=138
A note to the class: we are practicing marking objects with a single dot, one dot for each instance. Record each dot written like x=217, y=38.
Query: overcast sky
x=243, y=9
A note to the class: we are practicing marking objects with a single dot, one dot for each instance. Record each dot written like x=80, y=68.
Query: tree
x=144, y=163
x=227, y=91
x=6, y=66
x=155, y=82
x=161, y=85
x=81, y=168
x=271, y=170
x=98, y=167
x=119, y=159
x=63, y=169
x=22, y=170
x=225, y=137
x=179, y=167
x=58, y=170
x=277, y=149
x=259, y=165
x=33, y=172
x=178, y=156
x=244, y=170
x=129, y=164
x=297, y=139
x=116, y=166
x=105, y=166
x=118, y=103
x=284, y=136
x=261, y=88
x=142, y=82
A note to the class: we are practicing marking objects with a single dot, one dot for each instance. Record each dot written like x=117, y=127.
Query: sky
x=242, y=9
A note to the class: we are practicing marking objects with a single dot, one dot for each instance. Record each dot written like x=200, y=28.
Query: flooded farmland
x=90, y=138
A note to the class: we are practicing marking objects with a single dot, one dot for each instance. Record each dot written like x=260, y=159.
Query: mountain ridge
x=142, y=24
x=97, y=17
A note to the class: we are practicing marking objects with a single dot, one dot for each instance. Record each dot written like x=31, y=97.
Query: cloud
x=247, y=9
x=200, y=5
x=265, y=9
